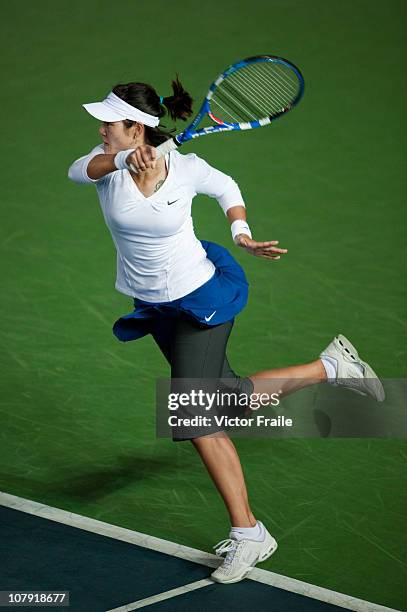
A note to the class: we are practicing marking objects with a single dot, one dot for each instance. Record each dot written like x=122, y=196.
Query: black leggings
x=198, y=351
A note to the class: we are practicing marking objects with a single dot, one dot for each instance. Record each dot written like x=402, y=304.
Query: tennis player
x=187, y=292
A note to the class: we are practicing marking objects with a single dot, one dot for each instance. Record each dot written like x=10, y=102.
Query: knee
x=213, y=438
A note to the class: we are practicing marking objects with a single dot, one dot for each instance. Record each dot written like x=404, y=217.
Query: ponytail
x=179, y=105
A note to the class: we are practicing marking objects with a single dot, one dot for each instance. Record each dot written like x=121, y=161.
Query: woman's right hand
x=143, y=158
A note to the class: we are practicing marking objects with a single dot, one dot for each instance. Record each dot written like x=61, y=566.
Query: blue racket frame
x=190, y=132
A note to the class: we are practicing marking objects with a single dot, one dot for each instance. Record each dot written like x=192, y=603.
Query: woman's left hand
x=268, y=250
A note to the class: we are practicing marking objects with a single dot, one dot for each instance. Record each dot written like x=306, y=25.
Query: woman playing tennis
x=187, y=292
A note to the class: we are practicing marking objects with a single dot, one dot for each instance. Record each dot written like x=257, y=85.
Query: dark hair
x=145, y=98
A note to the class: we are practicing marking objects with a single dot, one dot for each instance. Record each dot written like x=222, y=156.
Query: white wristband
x=120, y=159
x=240, y=227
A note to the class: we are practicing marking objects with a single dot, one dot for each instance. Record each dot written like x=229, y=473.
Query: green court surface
x=77, y=406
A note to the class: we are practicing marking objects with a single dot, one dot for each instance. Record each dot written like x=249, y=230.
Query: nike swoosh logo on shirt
x=209, y=318
x=169, y=203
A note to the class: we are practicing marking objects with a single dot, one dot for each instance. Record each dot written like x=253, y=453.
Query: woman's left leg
x=201, y=353
x=220, y=458
x=198, y=352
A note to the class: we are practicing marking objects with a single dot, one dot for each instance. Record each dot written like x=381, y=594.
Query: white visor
x=114, y=108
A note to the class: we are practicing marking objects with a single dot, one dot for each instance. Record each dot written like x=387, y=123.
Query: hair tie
x=161, y=99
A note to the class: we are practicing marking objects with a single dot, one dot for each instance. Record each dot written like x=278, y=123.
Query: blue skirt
x=218, y=300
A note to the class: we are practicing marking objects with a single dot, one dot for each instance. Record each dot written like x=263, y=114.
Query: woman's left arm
x=216, y=184
x=237, y=217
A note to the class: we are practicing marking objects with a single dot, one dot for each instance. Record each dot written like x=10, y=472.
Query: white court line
x=185, y=552
x=148, y=601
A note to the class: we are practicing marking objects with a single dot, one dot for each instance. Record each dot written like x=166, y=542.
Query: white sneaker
x=241, y=557
x=361, y=379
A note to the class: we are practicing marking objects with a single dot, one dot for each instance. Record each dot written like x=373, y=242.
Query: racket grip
x=166, y=147
x=162, y=149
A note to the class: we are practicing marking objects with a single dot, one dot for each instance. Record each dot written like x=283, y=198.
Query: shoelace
x=228, y=546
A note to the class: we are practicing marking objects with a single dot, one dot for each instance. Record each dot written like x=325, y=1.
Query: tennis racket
x=249, y=94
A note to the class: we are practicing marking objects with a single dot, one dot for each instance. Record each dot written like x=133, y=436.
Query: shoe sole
x=369, y=372
x=262, y=558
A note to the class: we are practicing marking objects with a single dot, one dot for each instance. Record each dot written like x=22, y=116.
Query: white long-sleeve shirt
x=159, y=258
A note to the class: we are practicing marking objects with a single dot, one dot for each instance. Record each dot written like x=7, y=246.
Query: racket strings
x=235, y=104
x=270, y=82
x=255, y=91
x=265, y=101
x=270, y=86
x=282, y=73
x=273, y=75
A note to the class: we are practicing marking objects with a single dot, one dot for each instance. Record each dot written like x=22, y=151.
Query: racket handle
x=166, y=147
x=162, y=149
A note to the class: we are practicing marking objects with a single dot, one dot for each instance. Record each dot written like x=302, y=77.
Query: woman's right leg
x=340, y=361
x=288, y=380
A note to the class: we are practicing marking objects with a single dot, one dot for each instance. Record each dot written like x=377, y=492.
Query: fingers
x=275, y=250
x=267, y=250
x=270, y=252
x=264, y=254
x=143, y=158
x=268, y=246
x=141, y=161
x=267, y=256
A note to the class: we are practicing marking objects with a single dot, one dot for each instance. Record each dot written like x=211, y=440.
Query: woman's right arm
x=90, y=168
